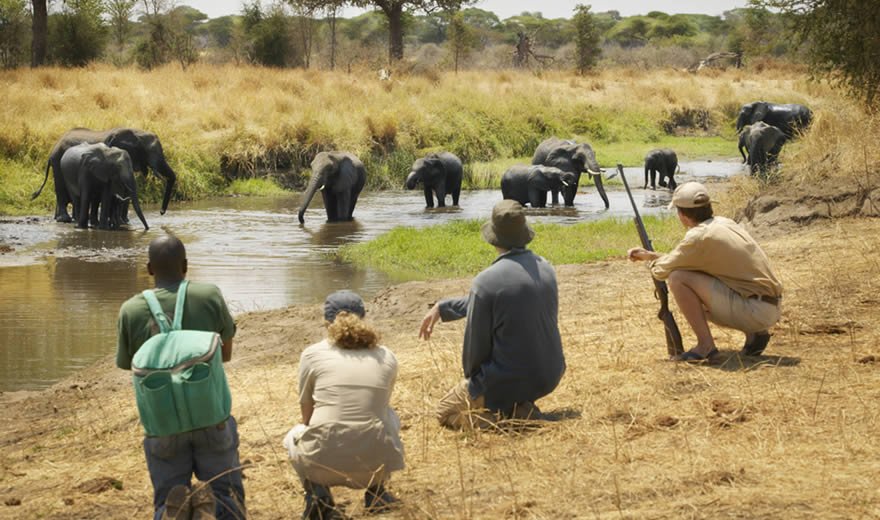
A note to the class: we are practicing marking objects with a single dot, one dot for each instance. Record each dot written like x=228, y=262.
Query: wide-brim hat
x=344, y=300
x=508, y=227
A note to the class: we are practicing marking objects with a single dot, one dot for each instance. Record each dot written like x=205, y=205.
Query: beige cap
x=690, y=195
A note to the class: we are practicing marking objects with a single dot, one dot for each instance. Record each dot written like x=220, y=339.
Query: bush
x=14, y=33
x=78, y=34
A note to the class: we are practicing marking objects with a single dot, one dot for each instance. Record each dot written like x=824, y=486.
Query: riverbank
x=219, y=124
x=789, y=434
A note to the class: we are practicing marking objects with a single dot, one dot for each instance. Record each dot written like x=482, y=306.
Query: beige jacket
x=721, y=248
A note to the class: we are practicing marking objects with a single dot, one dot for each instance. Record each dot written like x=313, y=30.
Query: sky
x=506, y=8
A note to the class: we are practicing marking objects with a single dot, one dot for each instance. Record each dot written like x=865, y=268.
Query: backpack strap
x=160, y=316
x=178, y=307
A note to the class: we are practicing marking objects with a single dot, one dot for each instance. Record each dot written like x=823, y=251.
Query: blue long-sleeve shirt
x=512, y=350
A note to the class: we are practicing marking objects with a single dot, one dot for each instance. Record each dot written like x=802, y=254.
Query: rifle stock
x=674, y=344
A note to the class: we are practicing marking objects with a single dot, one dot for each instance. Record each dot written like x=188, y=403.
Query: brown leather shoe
x=204, y=506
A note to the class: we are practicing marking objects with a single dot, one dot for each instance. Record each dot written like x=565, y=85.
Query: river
x=61, y=287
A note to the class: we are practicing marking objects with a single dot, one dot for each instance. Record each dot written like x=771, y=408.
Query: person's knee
x=677, y=279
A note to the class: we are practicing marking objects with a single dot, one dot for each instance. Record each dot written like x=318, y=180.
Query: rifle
x=674, y=345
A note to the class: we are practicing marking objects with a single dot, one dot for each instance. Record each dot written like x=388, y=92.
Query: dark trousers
x=209, y=453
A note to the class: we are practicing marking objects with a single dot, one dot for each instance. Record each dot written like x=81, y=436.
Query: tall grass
x=218, y=123
x=457, y=248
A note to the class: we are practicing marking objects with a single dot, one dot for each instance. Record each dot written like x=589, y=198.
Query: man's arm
x=449, y=309
x=227, y=350
x=478, y=334
x=306, y=409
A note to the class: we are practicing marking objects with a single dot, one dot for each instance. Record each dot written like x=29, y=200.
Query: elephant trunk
x=170, y=179
x=411, y=180
x=597, y=178
x=741, y=121
x=314, y=183
x=137, y=209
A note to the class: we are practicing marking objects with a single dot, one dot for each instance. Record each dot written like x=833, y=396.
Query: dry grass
x=248, y=120
x=788, y=435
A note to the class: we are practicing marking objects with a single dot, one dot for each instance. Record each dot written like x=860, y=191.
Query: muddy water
x=61, y=287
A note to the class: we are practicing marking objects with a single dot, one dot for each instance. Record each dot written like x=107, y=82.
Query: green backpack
x=179, y=382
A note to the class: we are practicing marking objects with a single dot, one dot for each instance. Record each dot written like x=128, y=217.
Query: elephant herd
x=94, y=170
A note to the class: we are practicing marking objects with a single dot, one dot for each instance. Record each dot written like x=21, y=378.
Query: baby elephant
x=530, y=184
x=662, y=161
x=441, y=174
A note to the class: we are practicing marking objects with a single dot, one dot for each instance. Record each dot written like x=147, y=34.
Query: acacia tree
x=119, y=13
x=461, y=39
x=586, y=38
x=842, y=38
x=393, y=11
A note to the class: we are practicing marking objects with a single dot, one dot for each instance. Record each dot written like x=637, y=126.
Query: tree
x=40, y=32
x=586, y=38
x=461, y=39
x=393, y=11
x=13, y=32
x=78, y=34
x=119, y=12
x=842, y=38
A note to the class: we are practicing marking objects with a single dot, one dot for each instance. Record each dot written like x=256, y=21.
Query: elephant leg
x=330, y=205
x=353, y=199
x=601, y=189
x=654, y=179
x=554, y=196
x=429, y=197
x=672, y=183
x=537, y=198
x=455, y=193
x=343, y=205
x=82, y=209
x=94, y=208
x=664, y=174
x=441, y=196
x=106, y=208
x=62, y=197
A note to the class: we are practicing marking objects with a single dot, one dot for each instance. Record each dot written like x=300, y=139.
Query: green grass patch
x=457, y=249
x=255, y=187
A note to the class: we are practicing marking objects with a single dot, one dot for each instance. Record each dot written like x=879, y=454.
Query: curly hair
x=350, y=332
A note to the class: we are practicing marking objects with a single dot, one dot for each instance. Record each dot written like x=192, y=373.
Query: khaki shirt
x=721, y=248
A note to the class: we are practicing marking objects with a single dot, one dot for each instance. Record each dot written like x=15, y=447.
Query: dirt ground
x=792, y=434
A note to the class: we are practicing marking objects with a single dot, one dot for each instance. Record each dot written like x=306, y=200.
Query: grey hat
x=343, y=300
x=508, y=227
x=690, y=195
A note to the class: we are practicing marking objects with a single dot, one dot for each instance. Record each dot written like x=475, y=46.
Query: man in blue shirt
x=512, y=353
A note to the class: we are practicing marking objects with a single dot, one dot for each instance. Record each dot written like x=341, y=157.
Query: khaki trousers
x=457, y=410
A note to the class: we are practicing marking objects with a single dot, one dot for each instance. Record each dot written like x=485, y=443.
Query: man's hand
x=640, y=254
x=428, y=322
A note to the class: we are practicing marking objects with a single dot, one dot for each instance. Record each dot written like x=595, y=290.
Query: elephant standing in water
x=789, y=119
x=763, y=143
x=663, y=161
x=530, y=184
x=340, y=177
x=144, y=149
x=441, y=174
x=98, y=177
x=573, y=157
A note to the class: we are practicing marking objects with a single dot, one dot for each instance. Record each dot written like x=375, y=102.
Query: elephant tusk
x=322, y=187
x=122, y=199
x=564, y=183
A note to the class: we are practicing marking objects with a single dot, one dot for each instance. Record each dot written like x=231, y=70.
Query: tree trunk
x=40, y=32
x=395, y=32
x=332, y=21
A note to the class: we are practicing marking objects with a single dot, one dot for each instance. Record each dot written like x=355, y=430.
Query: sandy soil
x=790, y=434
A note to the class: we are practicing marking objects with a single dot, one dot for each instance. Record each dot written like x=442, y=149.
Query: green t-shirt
x=204, y=309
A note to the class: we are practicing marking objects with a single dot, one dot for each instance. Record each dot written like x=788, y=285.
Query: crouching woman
x=349, y=434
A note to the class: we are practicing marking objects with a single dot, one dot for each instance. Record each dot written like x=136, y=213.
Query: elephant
x=97, y=174
x=144, y=149
x=573, y=157
x=789, y=118
x=662, y=161
x=763, y=143
x=529, y=184
x=340, y=176
x=441, y=174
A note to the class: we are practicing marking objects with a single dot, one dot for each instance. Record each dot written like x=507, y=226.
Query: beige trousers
x=457, y=410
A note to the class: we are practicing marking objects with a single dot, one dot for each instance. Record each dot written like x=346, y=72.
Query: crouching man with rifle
x=716, y=273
